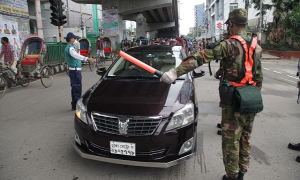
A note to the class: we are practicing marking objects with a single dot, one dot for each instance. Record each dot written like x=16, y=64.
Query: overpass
x=159, y=17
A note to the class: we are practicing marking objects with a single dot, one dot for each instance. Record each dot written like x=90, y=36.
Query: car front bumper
x=87, y=155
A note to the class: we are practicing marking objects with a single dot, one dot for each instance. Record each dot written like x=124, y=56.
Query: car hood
x=138, y=98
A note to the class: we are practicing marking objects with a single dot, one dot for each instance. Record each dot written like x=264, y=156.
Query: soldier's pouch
x=226, y=92
x=248, y=99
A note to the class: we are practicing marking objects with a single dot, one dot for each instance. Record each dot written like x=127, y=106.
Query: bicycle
x=17, y=80
x=99, y=60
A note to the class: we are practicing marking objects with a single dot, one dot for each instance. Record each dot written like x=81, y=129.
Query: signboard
x=110, y=22
x=10, y=30
x=219, y=29
x=17, y=8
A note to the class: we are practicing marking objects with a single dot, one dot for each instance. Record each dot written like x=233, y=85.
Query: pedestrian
x=74, y=62
x=152, y=42
x=7, y=50
x=208, y=43
x=100, y=48
x=133, y=43
x=122, y=45
x=127, y=44
x=173, y=41
x=237, y=121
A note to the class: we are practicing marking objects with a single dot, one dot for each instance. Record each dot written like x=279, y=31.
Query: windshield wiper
x=131, y=77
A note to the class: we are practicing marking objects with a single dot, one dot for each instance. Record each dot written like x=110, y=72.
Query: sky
x=187, y=14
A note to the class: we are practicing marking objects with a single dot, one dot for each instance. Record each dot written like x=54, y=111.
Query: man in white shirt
x=74, y=62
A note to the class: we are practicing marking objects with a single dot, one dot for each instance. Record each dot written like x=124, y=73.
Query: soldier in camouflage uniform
x=236, y=130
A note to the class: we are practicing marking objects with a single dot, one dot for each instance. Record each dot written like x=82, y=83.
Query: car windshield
x=162, y=61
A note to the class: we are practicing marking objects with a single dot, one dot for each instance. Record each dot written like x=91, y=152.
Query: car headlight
x=81, y=111
x=182, y=117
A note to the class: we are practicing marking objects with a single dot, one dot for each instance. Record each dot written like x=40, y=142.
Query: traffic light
x=55, y=12
x=62, y=17
x=57, y=16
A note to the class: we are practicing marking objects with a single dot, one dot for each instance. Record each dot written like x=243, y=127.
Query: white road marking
x=266, y=69
x=277, y=72
x=292, y=76
x=288, y=80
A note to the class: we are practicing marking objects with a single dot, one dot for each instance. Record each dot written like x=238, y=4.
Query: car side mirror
x=101, y=71
x=198, y=73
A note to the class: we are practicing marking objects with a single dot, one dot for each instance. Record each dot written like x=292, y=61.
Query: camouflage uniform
x=220, y=70
x=236, y=131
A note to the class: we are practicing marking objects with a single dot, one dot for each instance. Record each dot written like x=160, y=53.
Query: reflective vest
x=72, y=62
x=248, y=79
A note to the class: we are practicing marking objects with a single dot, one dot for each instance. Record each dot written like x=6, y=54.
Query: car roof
x=155, y=48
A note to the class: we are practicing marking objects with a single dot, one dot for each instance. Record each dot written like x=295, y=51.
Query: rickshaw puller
x=74, y=62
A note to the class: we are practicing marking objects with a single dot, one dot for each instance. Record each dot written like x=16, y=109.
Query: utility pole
x=260, y=19
x=247, y=8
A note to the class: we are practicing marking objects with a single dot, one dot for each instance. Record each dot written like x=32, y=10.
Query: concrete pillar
x=39, y=23
x=141, y=26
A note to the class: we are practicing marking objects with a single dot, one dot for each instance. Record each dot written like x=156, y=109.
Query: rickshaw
x=107, y=48
x=31, y=62
x=85, y=49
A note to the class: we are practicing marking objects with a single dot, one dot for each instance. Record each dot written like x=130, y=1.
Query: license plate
x=122, y=148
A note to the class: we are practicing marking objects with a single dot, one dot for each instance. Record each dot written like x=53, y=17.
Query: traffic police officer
x=236, y=127
x=74, y=62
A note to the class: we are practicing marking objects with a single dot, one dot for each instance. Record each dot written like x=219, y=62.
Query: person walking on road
x=100, y=48
x=7, y=50
x=74, y=62
x=242, y=76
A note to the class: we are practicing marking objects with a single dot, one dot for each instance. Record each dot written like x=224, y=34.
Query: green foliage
x=195, y=33
x=292, y=23
x=265, y=7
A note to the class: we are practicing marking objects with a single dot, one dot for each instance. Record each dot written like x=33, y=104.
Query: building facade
x=14, y=23
x=217, y=12
x=200, y=15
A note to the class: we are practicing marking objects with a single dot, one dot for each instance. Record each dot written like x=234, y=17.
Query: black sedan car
x=129, y=117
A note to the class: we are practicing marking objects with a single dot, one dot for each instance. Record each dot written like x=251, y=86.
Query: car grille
x=154, y=153
x=136, y=125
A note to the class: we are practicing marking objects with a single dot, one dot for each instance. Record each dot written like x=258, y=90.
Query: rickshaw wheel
x=99, y=62
x=46, y=76
x=66, y=68
x=3, y=86
x=92, y=65
x=24, y=82
x=112, y=55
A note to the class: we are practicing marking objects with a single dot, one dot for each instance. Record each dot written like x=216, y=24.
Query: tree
x=292, y=23
x=265, y=8
x=195, y=33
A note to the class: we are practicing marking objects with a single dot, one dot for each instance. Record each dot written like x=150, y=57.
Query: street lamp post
x=260, y=19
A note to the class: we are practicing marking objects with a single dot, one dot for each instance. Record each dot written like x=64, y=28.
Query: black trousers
x=76, y=86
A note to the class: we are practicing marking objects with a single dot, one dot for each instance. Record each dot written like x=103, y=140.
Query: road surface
x=36, y=134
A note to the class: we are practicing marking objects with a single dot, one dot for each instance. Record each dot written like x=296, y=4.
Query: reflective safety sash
x=248, y=79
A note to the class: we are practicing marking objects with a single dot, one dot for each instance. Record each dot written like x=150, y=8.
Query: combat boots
x=294, y=146
x=241, y=176
x=225, y=177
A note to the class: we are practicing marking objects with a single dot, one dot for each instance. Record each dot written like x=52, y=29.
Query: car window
x=162, y=61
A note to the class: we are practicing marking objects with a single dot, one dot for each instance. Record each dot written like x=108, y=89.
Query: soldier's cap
x=238, y=16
